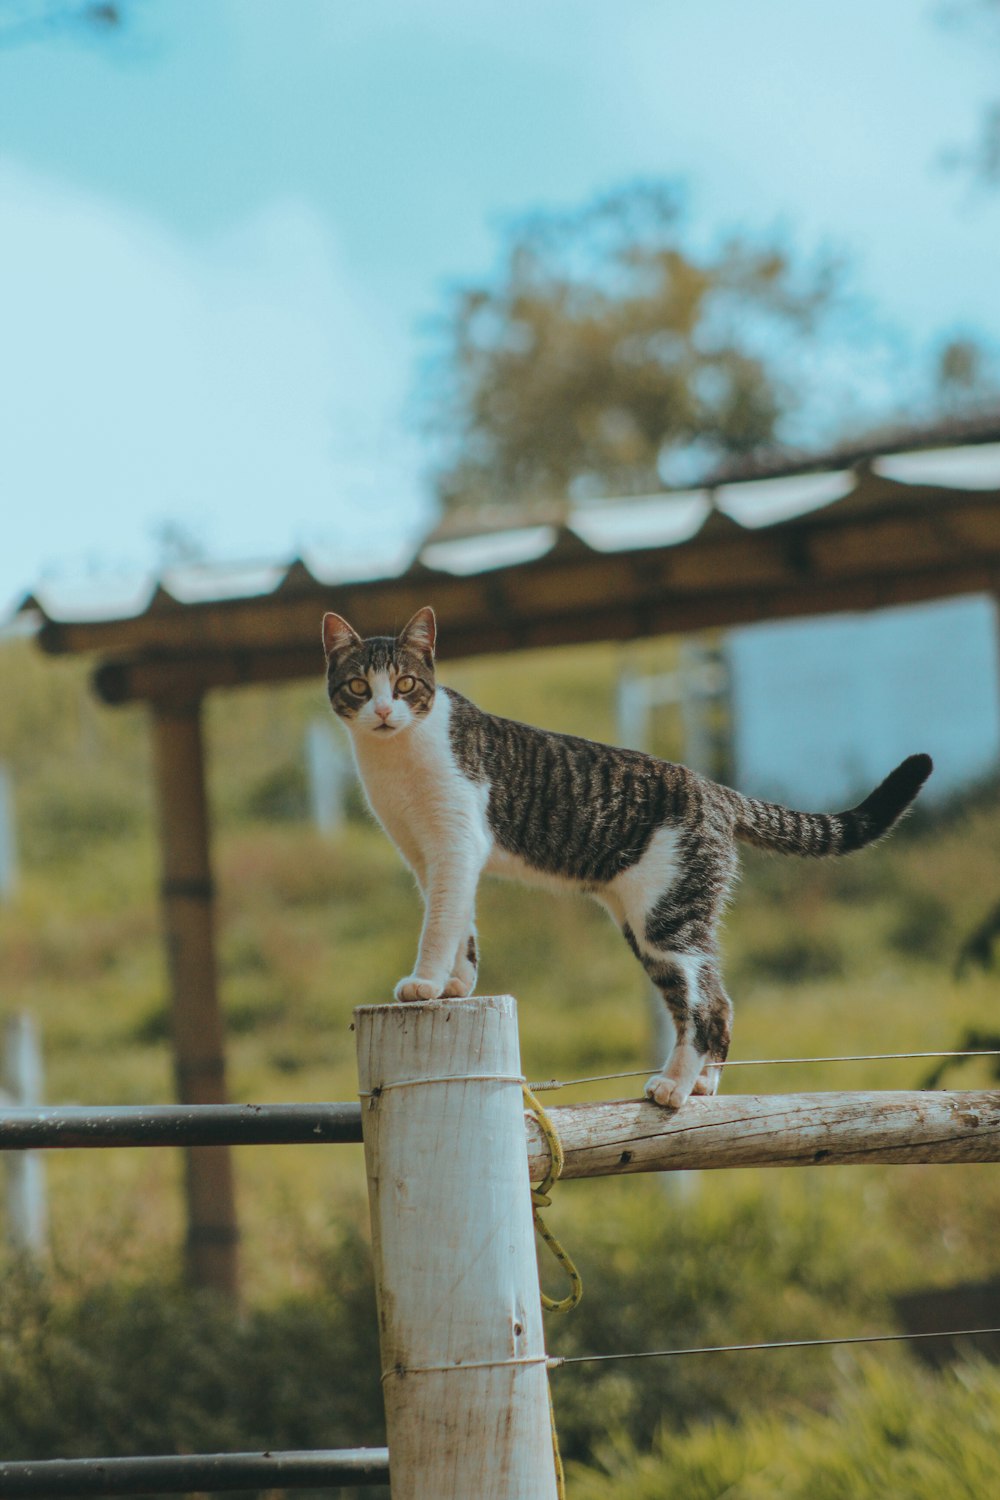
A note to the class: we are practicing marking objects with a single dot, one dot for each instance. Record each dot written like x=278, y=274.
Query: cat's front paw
x=415, y=988
x=457, y=988
x=666, y=1092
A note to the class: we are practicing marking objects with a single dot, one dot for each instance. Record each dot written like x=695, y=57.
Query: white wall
x=823, y=709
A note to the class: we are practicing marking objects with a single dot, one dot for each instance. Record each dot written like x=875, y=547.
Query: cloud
x=245, y=386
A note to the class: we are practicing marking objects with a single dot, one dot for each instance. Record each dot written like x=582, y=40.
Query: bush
x=796, y=959
x=143, y=1367
x=923, y=927
x=281, y=795
x=717, y=1269
x=135, y=1364
x=60, y=821
x=895, y=1432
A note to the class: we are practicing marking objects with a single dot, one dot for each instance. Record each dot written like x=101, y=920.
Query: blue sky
x=222, y=238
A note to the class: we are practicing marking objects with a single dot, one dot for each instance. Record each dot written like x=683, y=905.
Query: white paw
x=415, y=988
x=666, y=1092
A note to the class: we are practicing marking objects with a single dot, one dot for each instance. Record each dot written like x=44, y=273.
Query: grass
x=844, y=956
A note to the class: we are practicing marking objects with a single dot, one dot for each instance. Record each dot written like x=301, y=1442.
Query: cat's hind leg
x=676, y=976
x=702, y=1015
x=667, y=905
x=713, y=1026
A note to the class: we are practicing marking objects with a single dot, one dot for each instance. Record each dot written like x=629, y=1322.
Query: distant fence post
x=327, y=773
x=8, y=837
x=460, y=1324
x=27, y=1219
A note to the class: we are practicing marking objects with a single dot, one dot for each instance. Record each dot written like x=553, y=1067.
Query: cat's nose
x=383, y=710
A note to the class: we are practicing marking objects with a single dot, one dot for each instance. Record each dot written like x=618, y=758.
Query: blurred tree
x=610, y=356
x=964, y=375
x=983, y=158
x=31, y=20
x=987, y=155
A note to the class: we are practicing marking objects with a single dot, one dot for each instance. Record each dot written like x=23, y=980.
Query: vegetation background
x=612, y=349
x=102, y=1350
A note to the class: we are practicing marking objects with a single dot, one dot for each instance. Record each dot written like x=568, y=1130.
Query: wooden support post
x=772, y=1130
x=196, y=1021
x=460, y=1323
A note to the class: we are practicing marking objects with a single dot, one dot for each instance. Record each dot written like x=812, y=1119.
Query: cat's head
x=384, y=684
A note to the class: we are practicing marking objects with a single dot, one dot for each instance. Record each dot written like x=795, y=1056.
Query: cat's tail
x=768, y=825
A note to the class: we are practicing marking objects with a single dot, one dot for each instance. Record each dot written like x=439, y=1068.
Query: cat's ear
x=338, y=635
x=421, y=632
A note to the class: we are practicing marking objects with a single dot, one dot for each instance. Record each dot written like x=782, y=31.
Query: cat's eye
x=358, y=686
x=405, y=684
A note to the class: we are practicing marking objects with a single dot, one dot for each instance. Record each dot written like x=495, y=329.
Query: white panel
x=823, y=709
x=647, y=521
x=976, y=467
x=495, y=549
x=762, y=502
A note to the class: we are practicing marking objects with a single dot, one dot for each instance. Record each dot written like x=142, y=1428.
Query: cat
x=461, y=792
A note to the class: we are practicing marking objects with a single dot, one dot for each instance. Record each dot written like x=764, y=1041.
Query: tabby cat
x=460, y=792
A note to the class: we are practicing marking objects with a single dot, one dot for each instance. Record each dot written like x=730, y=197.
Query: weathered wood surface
x=772, y=1130
x=456, y=1277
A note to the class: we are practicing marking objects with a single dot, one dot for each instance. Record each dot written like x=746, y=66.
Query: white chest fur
x=419, y=795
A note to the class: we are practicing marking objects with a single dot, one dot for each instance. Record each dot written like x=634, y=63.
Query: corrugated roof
x=911, y=524
x=610, y=525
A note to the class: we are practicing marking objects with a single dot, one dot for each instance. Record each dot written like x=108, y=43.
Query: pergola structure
x=891, y=524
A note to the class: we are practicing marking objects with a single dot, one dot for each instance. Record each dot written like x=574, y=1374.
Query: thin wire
x=412, y=1083
x=762, y=1062
x=471, y=1364
x=865, y=1338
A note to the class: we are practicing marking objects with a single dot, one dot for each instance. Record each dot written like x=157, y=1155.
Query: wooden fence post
x=21, y=1080
x=460, y=1324
x=8, y=837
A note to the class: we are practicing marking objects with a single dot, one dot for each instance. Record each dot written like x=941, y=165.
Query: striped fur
x=462, y=792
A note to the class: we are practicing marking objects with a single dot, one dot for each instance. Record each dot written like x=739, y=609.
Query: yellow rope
x=540, y=1199
x=557, y=1456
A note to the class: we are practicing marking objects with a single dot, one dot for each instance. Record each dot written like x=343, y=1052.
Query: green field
x=854, y=956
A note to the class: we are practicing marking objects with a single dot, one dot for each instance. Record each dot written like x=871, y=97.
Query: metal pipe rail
x=190, y=1472
x=49, y=1128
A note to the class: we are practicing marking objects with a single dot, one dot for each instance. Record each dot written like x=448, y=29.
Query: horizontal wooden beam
x=894, y=541
x=608, y=615
x=772, y=1130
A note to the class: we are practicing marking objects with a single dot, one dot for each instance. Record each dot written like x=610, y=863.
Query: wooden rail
x=773, y=1130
